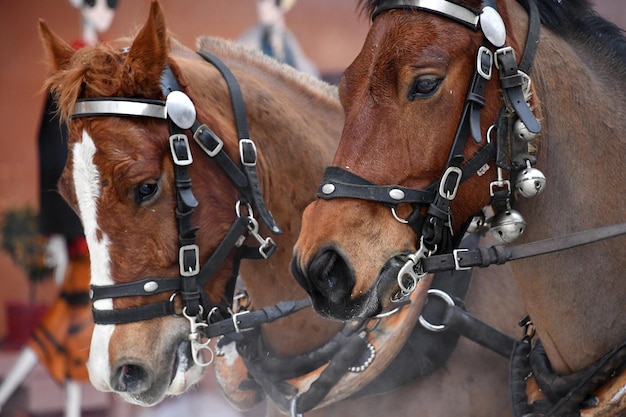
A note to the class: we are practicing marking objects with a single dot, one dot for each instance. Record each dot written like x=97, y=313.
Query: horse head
x=166, y=235
x=405, y=96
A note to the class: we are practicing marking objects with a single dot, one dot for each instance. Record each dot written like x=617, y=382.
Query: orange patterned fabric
x=62, y=339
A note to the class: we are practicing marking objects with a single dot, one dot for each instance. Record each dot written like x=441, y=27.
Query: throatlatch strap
x=246, y=146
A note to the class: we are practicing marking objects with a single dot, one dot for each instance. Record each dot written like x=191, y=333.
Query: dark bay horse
x=453, y=106
x=162, y=175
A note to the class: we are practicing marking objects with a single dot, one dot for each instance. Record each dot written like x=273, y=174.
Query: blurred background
x=330, y=34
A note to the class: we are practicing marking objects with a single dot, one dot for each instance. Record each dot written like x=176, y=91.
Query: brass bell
x=521, y=131
x=507, y=226
x=530, y=181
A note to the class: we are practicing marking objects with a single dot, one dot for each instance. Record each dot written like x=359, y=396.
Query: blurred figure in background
x=272, y=37
x=61, y=341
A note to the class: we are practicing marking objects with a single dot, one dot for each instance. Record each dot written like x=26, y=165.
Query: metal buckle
x=210, y=152
x=458, y=267
x=181, y=260
x=482, y=52
x=180, y=160
x=247, y=160
x=501, y=52
x=236, y=324
x=444, y=178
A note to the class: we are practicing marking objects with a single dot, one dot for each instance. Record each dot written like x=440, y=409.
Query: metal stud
x=328, y=188
x=396, y=194
x=150, y=286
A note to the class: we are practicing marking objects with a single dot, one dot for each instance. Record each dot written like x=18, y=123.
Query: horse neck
x=574, y=297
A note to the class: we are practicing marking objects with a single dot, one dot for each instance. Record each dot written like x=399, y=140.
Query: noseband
x=180, y=113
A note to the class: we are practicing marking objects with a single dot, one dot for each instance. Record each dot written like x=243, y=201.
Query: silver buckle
x=210, y=152
x=178, y=160
x=444, y=179
x=482, y=51
x=236, y=324
x=196, y=268
x=457, y=266
x=241, y=152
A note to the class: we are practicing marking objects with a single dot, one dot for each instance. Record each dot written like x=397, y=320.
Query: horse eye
x=145, y=191
x=424, y=87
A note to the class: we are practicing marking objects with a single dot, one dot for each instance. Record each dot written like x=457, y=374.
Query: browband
x=125, y=107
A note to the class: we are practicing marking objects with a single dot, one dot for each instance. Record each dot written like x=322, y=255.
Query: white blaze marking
x=87, y=187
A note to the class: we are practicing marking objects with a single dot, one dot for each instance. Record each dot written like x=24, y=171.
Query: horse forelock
x=100, y=70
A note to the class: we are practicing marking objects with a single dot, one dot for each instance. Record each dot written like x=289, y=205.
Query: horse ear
x=148, y=51
x=59, y=52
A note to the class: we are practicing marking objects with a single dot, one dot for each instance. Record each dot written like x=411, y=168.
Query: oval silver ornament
x=396, y=194
x=328, y=188
x=150, y=286
x=492, y=26
x=180, y=109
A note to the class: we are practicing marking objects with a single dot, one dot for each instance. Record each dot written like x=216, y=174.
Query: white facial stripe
x=87, y=187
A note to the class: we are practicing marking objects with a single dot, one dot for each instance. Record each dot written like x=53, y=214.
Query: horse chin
x=386, y=286
x=185, y=373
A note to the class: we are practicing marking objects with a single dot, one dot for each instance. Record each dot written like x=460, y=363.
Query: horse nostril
x=330, y=274
x=130, y=378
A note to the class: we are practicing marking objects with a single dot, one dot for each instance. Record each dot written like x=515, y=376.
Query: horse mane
x=572, y=19
x=576, y=19
x=241, y=53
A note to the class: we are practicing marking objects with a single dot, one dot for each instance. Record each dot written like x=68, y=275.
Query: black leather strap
x=499, y=254
x=248, y=154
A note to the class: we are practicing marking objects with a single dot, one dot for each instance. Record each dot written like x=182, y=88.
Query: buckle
x=180, y=159
x=189, y=270
x=457, y=266
x=203, y=144
x=247, y=158
x=502, y=52
x=236, y=322
x=449, y=195
x=484, y=62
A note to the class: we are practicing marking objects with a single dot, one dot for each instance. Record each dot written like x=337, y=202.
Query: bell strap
x=499, y=254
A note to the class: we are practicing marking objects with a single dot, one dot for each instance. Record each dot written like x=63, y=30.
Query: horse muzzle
x=144, y=376
x=330, y=281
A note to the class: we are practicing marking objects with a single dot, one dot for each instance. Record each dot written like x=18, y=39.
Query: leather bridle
x=180, y=113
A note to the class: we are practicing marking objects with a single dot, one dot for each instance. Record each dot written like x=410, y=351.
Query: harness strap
x=247, y=149
x=499, y=254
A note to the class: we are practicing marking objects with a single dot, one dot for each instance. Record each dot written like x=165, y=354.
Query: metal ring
x=436, y=327
x=398, y=218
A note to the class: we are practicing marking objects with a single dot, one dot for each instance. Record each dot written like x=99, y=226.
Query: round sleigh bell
x=521, y=131
x=530, y=182
x=507, y=226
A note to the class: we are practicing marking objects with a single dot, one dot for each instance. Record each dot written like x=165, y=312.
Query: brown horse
x=130, y=175
x=439, y=106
